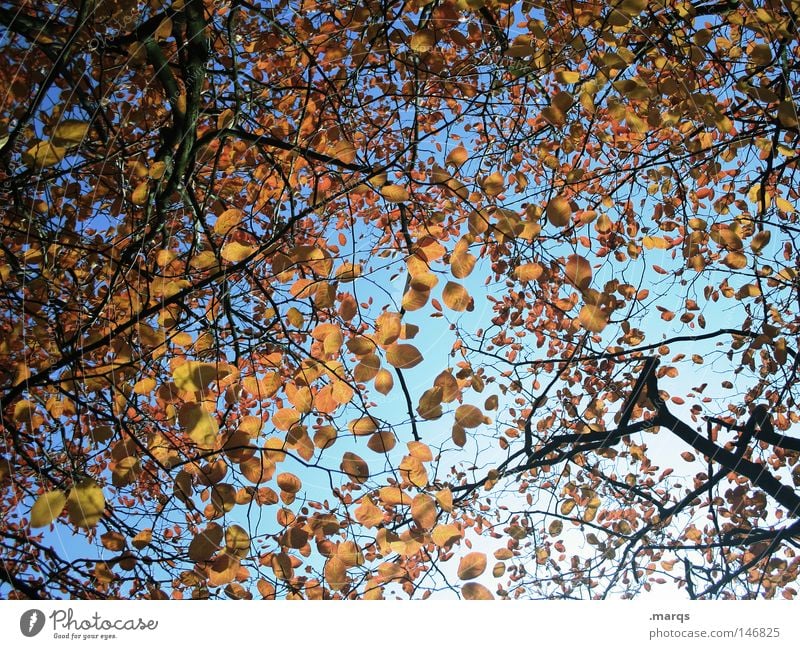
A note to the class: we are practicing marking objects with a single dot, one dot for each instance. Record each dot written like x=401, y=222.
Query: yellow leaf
x=568, y=76
x=593, y=318
x=387, y=327
x=403, y=356
x=395, y=193
x=70, y=132
x=201, y=427
x=285, y=418
x=456, y=297
x=423, y=511
x=235, y=251
x=445, y=534
x=784, y=205
x=445, y=499
x=139, y=195
x=363, y=426
x=528, y=272
x=47, y=508
x=459, y=435
x=86, y=504
x=195, y=376
x=461, y=265
x=348, y=272
x=559, y=211
x=414, y=299
x=158, y=170
x=289, y=482
x=336, y=573
x=471, y=565
x=237, y=541
x=760, y=240
x=420, y=451
x=43, y=154
x=423, y=41
x=735, y=260
x=142, y=539
x=555, y=116
x=350, y=554
x=493, y=184
x=787, y=114
x=145, y=386
x=382, y=442
x=113, y=541
x=659, y=243
x=228, y=220
x=394, y=496
x=223, y=570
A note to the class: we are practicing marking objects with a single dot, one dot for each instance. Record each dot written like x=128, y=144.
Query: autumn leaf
x=456, y=297
x=445, y=534
x=355, y=467
x=235, y=252
x=469, y=416
x=47, y=508
x=227, y=221
x=200, y=425
x=85, y=504
x=195, y=375
x=69, y=132
x=474, y=590
x=403, y=356
x=43, y=154
x=593, y=318
x=368, y=514
x=423, y=511
x=471, y=565
x=422, y=41
x=395, y=193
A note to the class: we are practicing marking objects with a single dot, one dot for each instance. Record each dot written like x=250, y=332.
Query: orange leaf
x=235, y=251
x=395, y=193
x=394, y=496
x=559, y=211
x=471, y=565
x=368, y=514
x=456, y=297
x=474, y=590
x=445, y=535
x=423, y=511
x=228, y=220
x=285, y=418
x=355, y=467
x=457, y=156
x=403, y=356
x=593, y=318
x=384, y=382
x=468, y=416
x=528, y=272
x=578, y=271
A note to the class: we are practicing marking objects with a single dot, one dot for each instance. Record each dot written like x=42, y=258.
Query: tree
x=307, y=299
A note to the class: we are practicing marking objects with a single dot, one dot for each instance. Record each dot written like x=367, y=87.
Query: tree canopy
x=326, y=299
